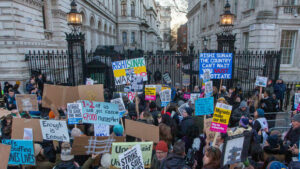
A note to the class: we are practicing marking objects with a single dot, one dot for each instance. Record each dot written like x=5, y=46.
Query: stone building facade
x=165, y=26
x=259, y=25
x=41, y=25
x=182, y=39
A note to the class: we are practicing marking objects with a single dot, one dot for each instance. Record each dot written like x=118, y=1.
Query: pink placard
x=187, y=96
x=218, y=127
x=147, y=97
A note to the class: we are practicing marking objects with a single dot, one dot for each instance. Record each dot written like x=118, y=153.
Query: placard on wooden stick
x=142, y=131
x=4, y=155
x=19, y=124
x=27, y=102
x=85, y=145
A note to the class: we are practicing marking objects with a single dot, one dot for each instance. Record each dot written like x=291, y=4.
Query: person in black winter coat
x=293, y=134
x=186, y=122
x=243, y=110
x=176, y=159
x=279, y=89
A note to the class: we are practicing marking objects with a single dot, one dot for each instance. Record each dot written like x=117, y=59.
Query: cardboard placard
x=167, y=78
x=218, y=64
x=138, y=130
x=150, y=92
x=209, y=134
x=101, y=130
x=85, y=145
x=27, y=102
x=120, y=103
x=165, y=97
x=4, y=113
x=261, y=81
x=55, y=130
x=21, y=152
x=221, y=118
x=132, y=158
x=62, y=95
x=74, y=113
x=204, y=106
x=100, y=113
x=119, y=148
x=18, y=126
x=126, y=70
x=4, y=155
x=186, y=80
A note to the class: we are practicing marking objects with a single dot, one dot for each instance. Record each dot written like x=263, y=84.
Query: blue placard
x=219, y=65
x=164, y=104
x=21, y=152
x=100, y=113
x=204, y=106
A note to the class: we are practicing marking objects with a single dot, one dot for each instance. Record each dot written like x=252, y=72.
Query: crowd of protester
x=183, y=141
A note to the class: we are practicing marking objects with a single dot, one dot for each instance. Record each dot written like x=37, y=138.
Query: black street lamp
x=76, y=49
x=227, y=18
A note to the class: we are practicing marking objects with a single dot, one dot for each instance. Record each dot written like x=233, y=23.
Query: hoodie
x=174, y=161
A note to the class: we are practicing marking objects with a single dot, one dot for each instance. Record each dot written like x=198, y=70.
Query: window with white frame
x=132, y=37
x=123, y=8
x=124, y=37
x=287, y=46
x=132, y=6
x=246, y=40
x=251, y=4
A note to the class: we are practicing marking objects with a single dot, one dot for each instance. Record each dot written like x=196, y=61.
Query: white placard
x=208, y=88
x=194, y=97
x=89, y=81
x=182, y=108
x=101, y=130
x=261, y=81
x=74, y=113
x=167, y=78
x=165, y=95
x=54, y=130
x=132, y=158
x=120, y=103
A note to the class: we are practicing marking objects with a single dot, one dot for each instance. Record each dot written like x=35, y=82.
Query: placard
x=210, y=135
x=261, y=81
x=55, y=130
x=221, y=118
x=194, y=97
x=62, y=95
x=21, y=152
x=165, y=97
x=297, y=100
x=100, y=113
x=150, y=92
x=4, y=113
x=4, y=155
x=19, y=124
x=101, y=130
x=137, y=84
x=187, y=96
x=204, y=106
x=119, y=148
x=89, y=81
x=74, y=113
x=206, y=76
x=132, y=158
x=218, y=64
x=27, y=102
x=28, y=134
x=182, y=108
x=167, y=78
x=186, y=80
x=208, y=89
x=126, y=70
x=131, y=96
x=121, y=106
x=138, y=130
x=86, y=145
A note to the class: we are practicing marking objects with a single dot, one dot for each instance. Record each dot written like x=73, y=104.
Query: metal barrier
x=282, y=121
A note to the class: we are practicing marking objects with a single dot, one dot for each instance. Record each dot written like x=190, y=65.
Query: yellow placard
x=221, y=115
x=139, y=70
x=150, y=91
x=119, y=72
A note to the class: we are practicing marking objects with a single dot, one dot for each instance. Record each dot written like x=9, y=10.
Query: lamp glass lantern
x=227, y=18
x=74, y=18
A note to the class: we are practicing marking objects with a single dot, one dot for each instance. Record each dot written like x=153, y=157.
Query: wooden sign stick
x=220, y=86
x=215, y=139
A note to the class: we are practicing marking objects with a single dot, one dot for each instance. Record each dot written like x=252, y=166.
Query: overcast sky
x=178, y=18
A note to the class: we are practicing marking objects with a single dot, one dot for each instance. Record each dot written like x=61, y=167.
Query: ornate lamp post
x=75, y=41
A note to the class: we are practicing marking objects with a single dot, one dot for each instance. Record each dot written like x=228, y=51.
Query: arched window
x=132, y=6
x=123, y=8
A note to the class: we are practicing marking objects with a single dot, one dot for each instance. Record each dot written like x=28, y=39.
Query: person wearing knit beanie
x=276, y=165
x=75, y=132
x=260, y=112
x=118, y=130
x=161, y=153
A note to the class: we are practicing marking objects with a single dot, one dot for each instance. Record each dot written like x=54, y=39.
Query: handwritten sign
x=181, y=109
x=126, y=70
x=194, y=97
x=21, y=152
x=208, y=89
x=187, y=96
x=261, y=81
x=100, y=113
x=150, y=92
x=120, y=103
x=165, y=97
x=297, y=100
x=101, y=130
x=119, y=148
x=54, y=130
x=221, y=118
x=167, y=78
x=186, y=80
x=204, y=106
x=218, y=64
x=74, y=113
x=132, y=158
x=27, y=102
